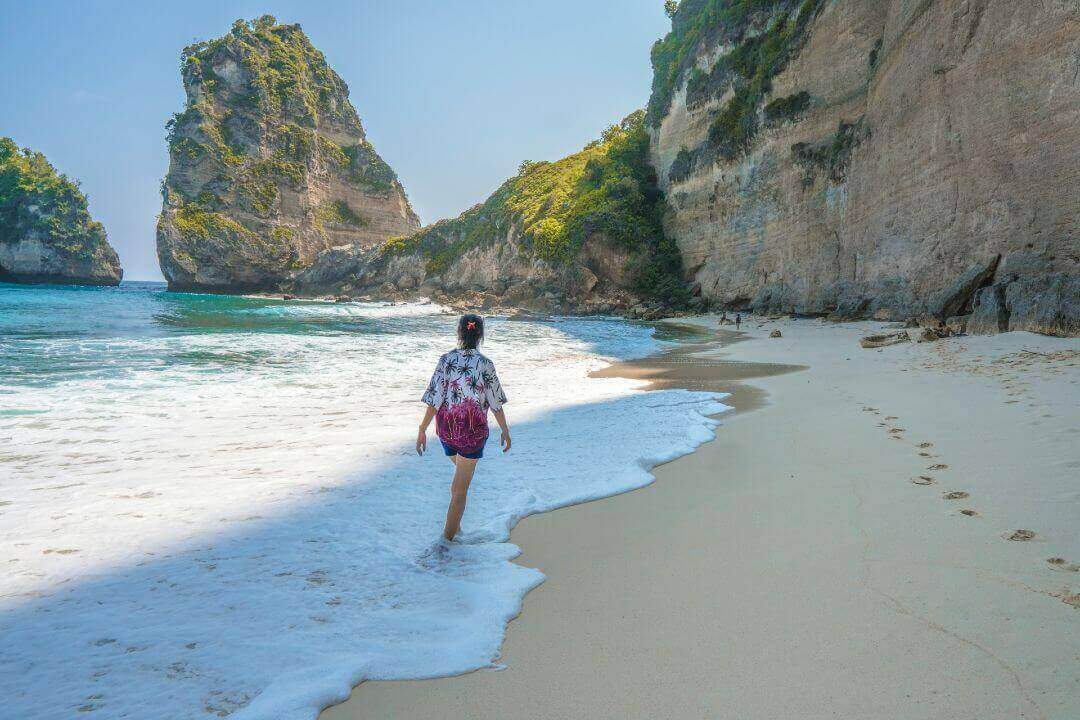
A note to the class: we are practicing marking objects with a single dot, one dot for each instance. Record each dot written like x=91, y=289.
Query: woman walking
x=462, y=390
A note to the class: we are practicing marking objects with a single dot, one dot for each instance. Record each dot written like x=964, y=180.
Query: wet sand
x=695, y=364
x=873, y=533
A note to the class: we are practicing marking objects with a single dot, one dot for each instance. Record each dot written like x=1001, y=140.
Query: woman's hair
x=470, y=331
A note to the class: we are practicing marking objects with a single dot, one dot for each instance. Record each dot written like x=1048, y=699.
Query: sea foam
x=230, y=519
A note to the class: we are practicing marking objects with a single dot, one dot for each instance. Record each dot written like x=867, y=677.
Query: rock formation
x=876, y=158
x=579, y=234
x=46, y=232
x=269, y=166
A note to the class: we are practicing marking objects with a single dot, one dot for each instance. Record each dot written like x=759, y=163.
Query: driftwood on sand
x=876, y=341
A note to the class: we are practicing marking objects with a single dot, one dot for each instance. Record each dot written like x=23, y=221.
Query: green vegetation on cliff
x=257, y=99
x=831, y=155
x=338, y=212
x=606, y=189
x=286, y=76
x=748, y=68
x=35, y=200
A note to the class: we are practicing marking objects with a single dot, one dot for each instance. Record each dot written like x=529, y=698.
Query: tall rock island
x=269, y=166
x=876, y=158
x=46, y=232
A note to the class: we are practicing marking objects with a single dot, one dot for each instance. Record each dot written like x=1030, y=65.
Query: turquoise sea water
x=210, y=505
x=56, y=333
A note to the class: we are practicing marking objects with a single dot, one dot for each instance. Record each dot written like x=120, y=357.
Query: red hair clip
x=471, y=325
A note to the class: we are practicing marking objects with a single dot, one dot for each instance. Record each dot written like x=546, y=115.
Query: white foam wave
x=241, y=526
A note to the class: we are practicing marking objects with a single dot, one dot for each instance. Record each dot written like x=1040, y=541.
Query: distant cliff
x=579, y=234
x=884, y=158
x=46, y=232
x=269, y=165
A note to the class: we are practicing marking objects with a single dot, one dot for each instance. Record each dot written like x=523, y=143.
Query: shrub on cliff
x=787, y=108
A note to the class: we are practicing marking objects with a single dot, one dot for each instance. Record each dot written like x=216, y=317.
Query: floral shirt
x=463, y=388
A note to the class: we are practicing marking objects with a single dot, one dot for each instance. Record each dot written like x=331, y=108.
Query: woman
x=463, y=388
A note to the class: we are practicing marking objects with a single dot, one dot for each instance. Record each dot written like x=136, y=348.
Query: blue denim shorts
x=474, y=455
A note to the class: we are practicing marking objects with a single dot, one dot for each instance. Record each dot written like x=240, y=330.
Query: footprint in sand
x=955, y=495
x=969, y=513
x=926, y=445
x=1020, y=535
x=1062, y=565
x=891, y=417
x=896, y=430
x=925, y=455
x=923, y=480
x=939, y=466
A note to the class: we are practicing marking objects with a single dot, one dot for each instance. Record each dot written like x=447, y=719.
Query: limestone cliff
x=269, y=166
x=887, y=158
x=46, y=232
x=579, y=234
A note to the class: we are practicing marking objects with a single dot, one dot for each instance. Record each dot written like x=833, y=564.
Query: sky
x=454, y=94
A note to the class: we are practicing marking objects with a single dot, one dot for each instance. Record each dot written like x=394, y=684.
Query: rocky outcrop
x=46, y=232
x=581, y=234
x=888, y=159
x=502, y=272
x=269, y=166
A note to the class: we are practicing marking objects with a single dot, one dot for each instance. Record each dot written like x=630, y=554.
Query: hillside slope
x=581, y=234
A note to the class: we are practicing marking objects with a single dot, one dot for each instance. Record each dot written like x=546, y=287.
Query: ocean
x=211, y=506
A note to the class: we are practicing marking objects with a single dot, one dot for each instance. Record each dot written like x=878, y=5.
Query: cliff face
x=876, y=158
x=582, y=233
x=46, y=232
x=269, y=166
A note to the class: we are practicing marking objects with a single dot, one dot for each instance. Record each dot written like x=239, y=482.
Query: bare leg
x=459, y=491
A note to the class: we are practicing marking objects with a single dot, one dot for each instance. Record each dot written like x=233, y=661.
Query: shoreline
x=692, y=365
x=790, y=566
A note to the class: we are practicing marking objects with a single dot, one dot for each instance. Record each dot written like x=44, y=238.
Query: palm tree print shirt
x=462, y=390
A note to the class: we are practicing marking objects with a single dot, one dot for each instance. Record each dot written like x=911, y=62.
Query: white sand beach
x=808, y=563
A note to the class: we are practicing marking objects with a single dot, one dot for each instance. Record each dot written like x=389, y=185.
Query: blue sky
x=454, y=94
